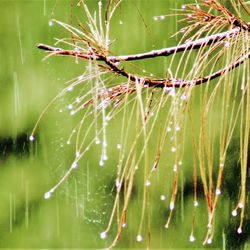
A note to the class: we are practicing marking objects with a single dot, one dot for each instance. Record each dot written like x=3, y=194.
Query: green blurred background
x=79, y=211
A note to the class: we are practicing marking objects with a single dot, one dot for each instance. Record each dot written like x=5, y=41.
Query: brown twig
x=154, y=53
x=177, y=83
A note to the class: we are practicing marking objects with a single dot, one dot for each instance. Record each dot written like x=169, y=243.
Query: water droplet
x=139, y=238
x=183, y=31
x=189, y=16
x=60, y=110
x=163, y=197
x=218, y=191
x=97, y=141
x=162, y=17
x=239, y=230
x=70, y=106
x=100, y=4
x=168, y=129
x=72, y=112
x=68, y=142
x=155, y=18
x=148, y=183
x=70, y=88
x=123, y=225
x=74, y=165
x=209, y=241
x=101, y=163
x=78, y=154
x=191, y=238
x=118, y=146
x=227, y=44
x=47, y=195
x=184, y=97
x=80, y=78
x=32, y=138
x=183, y=7
x=234, y=213
x=105, y=157
x=196, y=203
x=51, y=23
x=104, y=144
x=103, y=235
x=198, y=7
x=120, y=22
x=171, y=206
x=173, y=149
x=117, y=183
x=177, y=128
x=241, y=205
x=175, y=168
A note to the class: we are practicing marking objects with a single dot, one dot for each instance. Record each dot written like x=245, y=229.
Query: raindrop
x=47, y=195
x=227, y=44
x=239, y=230
x=171, y=206
x=78, y=154
x=117, y=183
x=148, y=183
x=218, y=191
x=173, y=149
x=104, y=144
x=120, y=22
x=105, y=157
x=72, y=112
x=70, y=88
x=32, y=138
x=191, y=238
x=163, y=197
x=74, y=165
x=51, y=23
x=162, y=17
x=168, y=129
x=70, y=106
x=183, y=7
x=241, y=205
x=101, y=163
x=209, y=241
x=103, y=235
x=196, y=203
x=123, y=225
x=118, y=146
x=68, y=142
x=139, y=238
x=175, y=168
x=177, y=128
x=80, y=78
x=184, y=97
x=155, y=18
x=234, y=213
x=198, y=7
x=100, y=4
x=97, y=141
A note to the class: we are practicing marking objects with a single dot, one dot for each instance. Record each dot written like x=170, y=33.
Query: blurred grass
x=76, y=215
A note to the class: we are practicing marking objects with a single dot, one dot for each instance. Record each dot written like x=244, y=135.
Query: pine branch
x=152, y=54
x=177, y=83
